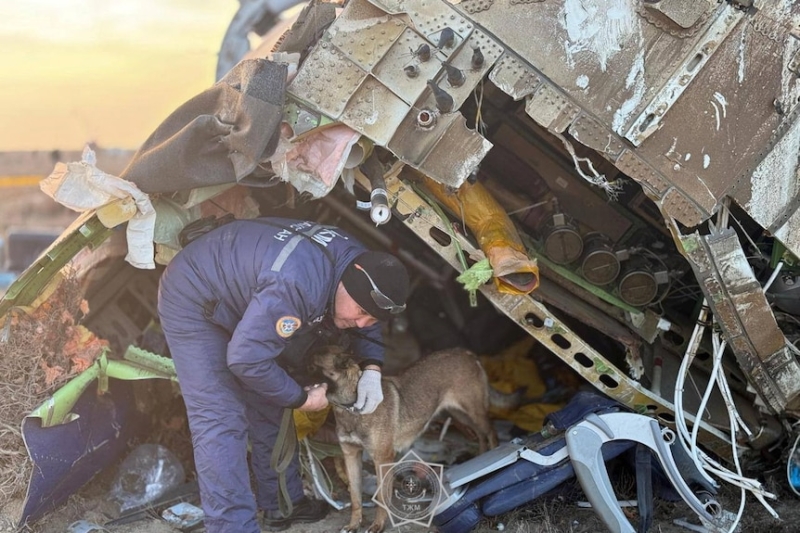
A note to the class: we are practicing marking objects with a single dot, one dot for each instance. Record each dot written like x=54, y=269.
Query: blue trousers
x=223, y=414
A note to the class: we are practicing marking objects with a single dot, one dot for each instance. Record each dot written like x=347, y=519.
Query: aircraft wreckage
x=628, y=167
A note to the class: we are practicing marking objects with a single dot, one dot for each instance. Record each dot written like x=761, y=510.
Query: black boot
x=305, y=511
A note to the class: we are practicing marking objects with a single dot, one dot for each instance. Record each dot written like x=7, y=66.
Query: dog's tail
x=506, y=401
x=498, y=400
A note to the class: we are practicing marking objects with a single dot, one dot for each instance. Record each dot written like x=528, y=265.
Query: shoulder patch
x=287, y=325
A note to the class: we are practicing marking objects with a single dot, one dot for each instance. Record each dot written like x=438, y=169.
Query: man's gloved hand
x=370, y=394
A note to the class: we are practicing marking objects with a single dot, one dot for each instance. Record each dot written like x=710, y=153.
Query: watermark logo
x=411, y=490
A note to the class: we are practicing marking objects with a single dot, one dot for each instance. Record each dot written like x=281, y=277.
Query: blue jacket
x=263, y=285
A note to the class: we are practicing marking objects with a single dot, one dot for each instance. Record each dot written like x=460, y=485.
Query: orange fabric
x=497, y=236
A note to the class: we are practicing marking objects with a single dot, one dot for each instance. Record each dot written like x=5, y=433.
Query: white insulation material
x=635, y=81
x=600, y=27
x=596, y=31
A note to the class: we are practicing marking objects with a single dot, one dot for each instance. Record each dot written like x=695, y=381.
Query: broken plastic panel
x=81, y=430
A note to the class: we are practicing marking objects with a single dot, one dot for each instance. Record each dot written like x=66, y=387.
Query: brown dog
x=451, y=380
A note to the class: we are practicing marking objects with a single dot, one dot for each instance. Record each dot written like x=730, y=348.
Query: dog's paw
x=350, y=528
x=376, y=527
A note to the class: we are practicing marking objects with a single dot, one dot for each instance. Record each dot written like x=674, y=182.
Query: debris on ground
x=40, y=350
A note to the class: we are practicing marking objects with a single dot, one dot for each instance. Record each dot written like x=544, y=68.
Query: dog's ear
x=341, y=361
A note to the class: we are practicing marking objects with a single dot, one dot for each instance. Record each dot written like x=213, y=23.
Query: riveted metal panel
x=682, y=209
x=458, y=152
x=649, y=119
x=430, y=18
x=684, y=13
x=365, y=39
x=462, y=58
x=475, y=6
x=327, y=79
x=446, y=151
x=400, y=55
x=612, y=69
x=375, y=111
x=717, y=138
x=590, y=132
x=636, y=168
x=772, y=194
x=514, y=77
x=411, y=142
x=551, y=109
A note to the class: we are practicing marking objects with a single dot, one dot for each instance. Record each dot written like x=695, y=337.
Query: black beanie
x=389, y=275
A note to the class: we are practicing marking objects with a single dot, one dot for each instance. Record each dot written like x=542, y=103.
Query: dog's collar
x=348, y=408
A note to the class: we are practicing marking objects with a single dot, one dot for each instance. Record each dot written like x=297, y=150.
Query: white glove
x=370, y=394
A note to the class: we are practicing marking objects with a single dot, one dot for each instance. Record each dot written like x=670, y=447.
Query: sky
x=106, y=71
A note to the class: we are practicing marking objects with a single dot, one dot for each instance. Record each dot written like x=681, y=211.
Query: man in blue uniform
x=233, y=301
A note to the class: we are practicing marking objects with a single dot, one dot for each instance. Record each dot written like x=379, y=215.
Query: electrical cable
x=705, y=462
x=323, y=490
x=480, y=125
x=774, y=275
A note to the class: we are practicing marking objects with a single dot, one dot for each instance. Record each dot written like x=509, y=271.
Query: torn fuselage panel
x=742, y=310
x=367, y=72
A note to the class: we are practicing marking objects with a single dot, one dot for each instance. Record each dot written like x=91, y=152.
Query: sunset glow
x=109, y=72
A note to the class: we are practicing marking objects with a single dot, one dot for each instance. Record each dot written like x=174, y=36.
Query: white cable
x=725, y=390
x=323, y=491
x=688, y=358
x=739, y=470
x=792, y=348
x=612, y=189
x=774, y=275
x=717, y=359
x=689, y=440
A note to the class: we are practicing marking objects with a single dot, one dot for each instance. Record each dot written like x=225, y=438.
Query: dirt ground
x=557, y=514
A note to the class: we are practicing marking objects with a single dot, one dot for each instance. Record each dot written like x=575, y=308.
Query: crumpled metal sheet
x=514, y=77
x=356, y=74
x=551, y=109
x=742, y=310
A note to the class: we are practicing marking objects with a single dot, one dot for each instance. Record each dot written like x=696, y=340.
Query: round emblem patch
x=287, y=325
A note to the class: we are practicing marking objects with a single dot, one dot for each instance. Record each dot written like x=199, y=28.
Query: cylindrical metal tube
x=379, y=211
